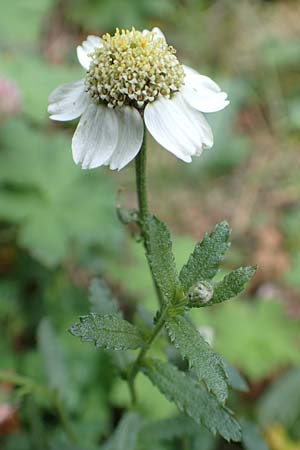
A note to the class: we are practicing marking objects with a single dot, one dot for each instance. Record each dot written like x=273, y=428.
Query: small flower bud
x=199, y=294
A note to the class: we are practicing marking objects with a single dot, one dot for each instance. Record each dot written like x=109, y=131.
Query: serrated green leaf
x=101, y=298
x=161, y=258
x=126, y=434
x=231, y=285
x=108, y=331
x=103, y=302
x=208, y=366
x=192, y=399
x=53, y=358
x=204, y=262
x=252, y=437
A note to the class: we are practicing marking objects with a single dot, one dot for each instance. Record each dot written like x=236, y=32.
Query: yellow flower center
x=133, y=68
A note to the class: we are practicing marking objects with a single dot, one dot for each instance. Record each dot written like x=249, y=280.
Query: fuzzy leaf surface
x=208, y=365
x=102, y=302
x=161, y=258
x=108, y=331
x=232, y=285
x=192, y=399
x=204, y=262
x=125, y=435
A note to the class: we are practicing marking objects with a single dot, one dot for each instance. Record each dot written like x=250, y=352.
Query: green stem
x=141, y=188
x=141, y=182
x=136, y=365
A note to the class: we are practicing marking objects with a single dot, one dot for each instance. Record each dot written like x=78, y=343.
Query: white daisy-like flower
x=134, y=78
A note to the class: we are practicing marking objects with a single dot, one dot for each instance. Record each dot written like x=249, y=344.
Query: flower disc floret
x=133, y=68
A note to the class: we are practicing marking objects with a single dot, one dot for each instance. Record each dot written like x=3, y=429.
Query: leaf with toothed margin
x=203, y=264
x=161, y=258
x=108, y=331
x=208, y=365
x=192, y=399
x=231, y=285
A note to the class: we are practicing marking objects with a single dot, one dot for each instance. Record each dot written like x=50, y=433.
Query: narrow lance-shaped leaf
x=103, y=302
x=192, y=399
x=208, y=366
x=231, y=285
x=125, y=435
x=161, y=258
x=108, y=331
x=204, y=262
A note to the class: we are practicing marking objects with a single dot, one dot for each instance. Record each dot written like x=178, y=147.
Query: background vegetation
x=59, y=229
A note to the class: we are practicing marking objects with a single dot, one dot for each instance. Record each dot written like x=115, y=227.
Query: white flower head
x=134, y=78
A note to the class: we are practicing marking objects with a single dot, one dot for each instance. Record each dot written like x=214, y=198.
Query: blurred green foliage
x=125, y=13
x=50, y=200
x=59, y=228
x=22, y=22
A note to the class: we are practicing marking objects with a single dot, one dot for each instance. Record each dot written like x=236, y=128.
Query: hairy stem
x=141, y=188
x=141, y=182
x=136, y=365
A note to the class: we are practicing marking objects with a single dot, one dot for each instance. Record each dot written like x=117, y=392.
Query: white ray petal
x=68, y=101
x=96, y=136
x=86, y=48
x=83, y=57
x=202, y=93
x=130, y=137
x=158, y=32
x=91, y=43
x=179, y=128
